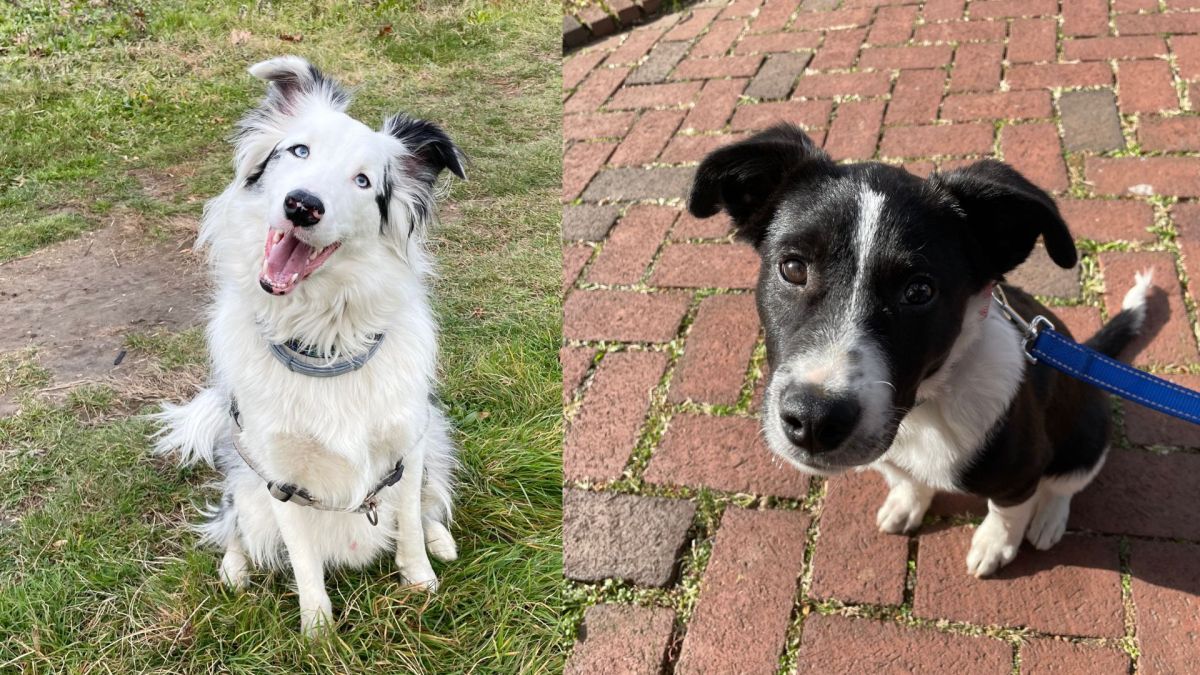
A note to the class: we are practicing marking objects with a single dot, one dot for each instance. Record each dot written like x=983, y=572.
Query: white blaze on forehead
x=866, y=231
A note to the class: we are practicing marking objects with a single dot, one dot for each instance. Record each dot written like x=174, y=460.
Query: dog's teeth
x=295, y=277
x=264, y=267
x=313, y=255
x=278, y=236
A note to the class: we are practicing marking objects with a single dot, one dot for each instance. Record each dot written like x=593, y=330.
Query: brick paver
x=727, y=454
x=1094, y=100
x=718, y=351
x=746, y=593
x=607, y=534
x=858, y=563
x=842, y=645
x=1060, y=657
x=631, y=244
x=1115, y=504
x=1166, y=591
x=622, y=639
x=1090, y=121
x=1072, y=589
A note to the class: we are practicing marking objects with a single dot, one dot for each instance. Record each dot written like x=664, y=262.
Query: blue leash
x=1043, y=343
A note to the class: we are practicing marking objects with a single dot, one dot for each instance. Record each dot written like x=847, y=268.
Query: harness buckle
x=283, y=492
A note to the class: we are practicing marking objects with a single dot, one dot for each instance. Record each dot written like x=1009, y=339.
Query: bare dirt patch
x=167, y=184
x=77, y=300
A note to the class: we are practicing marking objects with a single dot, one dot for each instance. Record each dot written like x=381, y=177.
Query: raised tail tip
x=1135, y=298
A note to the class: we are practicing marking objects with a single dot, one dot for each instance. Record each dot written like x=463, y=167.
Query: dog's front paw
x=316, y=617
x=439, y=542
x=1049, y=522
x=235, y=570
x=903, y=509
x=426, y=579
x=417, y=571
x=992, y=547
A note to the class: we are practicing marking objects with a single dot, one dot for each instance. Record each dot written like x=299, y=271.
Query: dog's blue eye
x=794, y=271
x=918, y=292
x=300, y=151
x=362, y=181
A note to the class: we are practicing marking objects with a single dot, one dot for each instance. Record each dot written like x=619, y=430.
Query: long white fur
x=334, y=436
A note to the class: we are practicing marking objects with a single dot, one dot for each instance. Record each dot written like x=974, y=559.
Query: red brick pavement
x=1093, y=99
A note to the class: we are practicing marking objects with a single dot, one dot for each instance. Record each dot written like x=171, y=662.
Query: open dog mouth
x=287, y=261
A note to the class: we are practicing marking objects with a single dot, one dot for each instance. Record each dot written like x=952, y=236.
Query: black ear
x=1006, y=213
x=743, y=178
x=430, y=146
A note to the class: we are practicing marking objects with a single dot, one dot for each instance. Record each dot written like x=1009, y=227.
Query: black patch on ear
x=745, y=178
x=259, y=170
x=1006, y=213
x=383, y=199
x=430, y=146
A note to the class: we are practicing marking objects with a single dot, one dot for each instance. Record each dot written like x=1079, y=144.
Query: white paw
x=903, y=509
x=439, y=542
x=992, y=547
x=416, y=570
x=425, y=579
x=235, y=570
x=1049, y=522
x=316, y=617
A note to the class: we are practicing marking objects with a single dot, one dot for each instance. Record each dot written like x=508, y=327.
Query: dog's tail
x=194, y=429
x=437, y=489
x=1120, y=330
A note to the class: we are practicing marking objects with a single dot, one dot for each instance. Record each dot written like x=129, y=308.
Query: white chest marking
x=962, y=403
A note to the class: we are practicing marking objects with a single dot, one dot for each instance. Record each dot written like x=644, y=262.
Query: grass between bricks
x=102, y=570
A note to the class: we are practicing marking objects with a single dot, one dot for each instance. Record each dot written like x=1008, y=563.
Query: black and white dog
x=874, y=293
x=322, y=333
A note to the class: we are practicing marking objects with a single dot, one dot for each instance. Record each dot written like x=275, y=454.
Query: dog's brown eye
x=918, y=292
x=794, y=271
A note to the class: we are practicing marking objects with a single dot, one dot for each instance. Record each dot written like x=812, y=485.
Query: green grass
x=98, y=100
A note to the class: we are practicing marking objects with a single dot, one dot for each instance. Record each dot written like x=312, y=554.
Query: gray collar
x=302, y=359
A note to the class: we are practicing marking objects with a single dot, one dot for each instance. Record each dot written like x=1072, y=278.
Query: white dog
x=323, y=344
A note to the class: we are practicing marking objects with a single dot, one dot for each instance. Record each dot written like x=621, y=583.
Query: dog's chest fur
x=992, y=425
x=961, y=404
x=336, y=436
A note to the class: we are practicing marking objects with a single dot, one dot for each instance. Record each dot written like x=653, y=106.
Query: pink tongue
x=287, y=258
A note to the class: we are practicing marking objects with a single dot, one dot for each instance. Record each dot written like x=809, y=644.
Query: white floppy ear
x=281, y=68
x=292, y=83
x=291, y=78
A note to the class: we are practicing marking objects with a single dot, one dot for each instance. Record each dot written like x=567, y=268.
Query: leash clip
x=371, y=509
x=1029, y=329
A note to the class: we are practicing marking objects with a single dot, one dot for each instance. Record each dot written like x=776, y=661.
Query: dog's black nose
x=303, y=208
x=817, y=423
